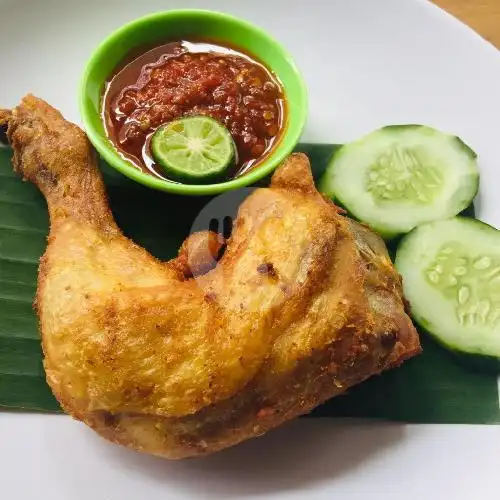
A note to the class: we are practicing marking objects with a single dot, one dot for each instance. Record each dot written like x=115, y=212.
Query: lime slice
x=195, y=149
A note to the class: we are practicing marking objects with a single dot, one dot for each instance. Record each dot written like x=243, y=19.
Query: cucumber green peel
x=195, y=149
x=401, y=176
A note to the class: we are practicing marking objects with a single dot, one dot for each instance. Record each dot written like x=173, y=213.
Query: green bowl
x=183, y=25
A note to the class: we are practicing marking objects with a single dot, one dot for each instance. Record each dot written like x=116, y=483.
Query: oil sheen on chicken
x=303, y=304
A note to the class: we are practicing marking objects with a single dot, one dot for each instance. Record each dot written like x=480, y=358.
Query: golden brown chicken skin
x=303, y=304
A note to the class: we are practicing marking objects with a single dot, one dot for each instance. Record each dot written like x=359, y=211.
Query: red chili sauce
x=191, y=78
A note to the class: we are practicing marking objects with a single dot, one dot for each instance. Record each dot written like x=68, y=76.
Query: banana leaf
x=434, y=387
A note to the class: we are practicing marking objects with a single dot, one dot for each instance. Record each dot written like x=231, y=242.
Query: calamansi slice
x=194, y=149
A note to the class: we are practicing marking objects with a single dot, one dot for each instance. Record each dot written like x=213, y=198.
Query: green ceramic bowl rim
x=107, y=150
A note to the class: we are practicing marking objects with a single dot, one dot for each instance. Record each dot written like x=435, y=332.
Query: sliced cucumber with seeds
x=451, y=278
x=195, y=149
x=401, y=176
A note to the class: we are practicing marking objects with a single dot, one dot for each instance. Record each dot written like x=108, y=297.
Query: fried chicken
x=190, y=356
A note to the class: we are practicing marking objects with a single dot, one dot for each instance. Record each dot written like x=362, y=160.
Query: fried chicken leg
x=187, y=357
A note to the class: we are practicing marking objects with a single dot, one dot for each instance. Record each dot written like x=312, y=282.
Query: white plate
x=367, y=63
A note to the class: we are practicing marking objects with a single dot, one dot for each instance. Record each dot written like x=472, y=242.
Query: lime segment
x=195, y=149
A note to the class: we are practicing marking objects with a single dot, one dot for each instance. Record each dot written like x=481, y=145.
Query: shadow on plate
x=289, y=458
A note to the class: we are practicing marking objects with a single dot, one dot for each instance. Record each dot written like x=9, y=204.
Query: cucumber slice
x=195, y=149
x=451, y=278
x=401, y=176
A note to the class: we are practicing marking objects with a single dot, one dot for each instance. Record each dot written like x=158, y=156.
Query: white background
x=367, y=63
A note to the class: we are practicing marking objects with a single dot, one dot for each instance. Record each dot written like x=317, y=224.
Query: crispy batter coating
x=303, y=304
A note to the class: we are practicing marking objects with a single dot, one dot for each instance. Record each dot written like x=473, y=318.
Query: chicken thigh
x=185, y=357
